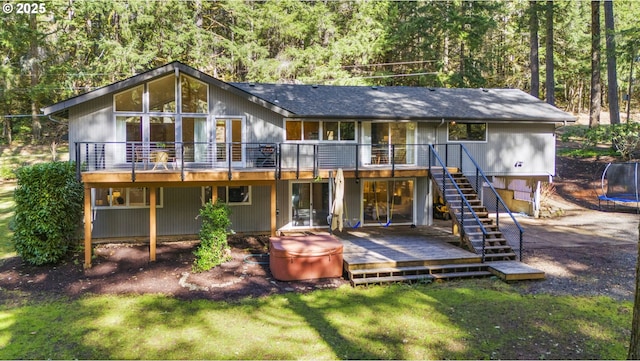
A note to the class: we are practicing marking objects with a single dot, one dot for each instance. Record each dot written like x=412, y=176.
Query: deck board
x=402, y=246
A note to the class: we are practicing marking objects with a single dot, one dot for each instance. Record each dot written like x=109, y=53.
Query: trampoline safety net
x=620, y=183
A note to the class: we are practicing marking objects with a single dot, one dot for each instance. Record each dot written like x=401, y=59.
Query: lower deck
x=405, y=253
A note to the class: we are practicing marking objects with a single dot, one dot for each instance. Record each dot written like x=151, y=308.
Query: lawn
x=474, y=319
x=6, y=213
x=470, y=319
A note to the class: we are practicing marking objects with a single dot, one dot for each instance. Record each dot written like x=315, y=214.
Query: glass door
x=309, y=204
x=387, y=202
x=229, y=141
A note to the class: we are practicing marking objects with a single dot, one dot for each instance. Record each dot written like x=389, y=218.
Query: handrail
x=498, y=198
x=446, y=172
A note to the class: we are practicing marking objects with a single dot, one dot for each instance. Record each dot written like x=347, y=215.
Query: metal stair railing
x=464, y=203
x=510, y=228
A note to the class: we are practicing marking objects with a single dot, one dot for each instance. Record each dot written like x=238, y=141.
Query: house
x=151, y=149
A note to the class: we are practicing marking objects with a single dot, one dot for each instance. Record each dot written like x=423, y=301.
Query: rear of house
x=151, y=149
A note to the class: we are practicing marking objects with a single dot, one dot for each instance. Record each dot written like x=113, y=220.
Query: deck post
x=152, y=224
x=273, y=209
x=87, y=227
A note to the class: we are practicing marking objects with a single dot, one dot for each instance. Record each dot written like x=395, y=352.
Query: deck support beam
x=87, y=227
x=273, y=209
x=152, y=224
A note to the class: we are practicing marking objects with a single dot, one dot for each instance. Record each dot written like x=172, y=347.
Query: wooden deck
x=401, y=253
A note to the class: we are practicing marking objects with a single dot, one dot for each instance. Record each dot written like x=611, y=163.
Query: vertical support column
x=152, y=224
x=87, y=227
x=273, y=209
x=214, y=194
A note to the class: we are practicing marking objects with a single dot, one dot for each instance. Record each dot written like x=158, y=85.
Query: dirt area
x=584, y=252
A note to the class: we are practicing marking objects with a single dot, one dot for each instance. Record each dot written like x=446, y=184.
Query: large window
x=162, y=95
x=129, y=100
x=194, y=95
x=231, y=195
x=467, y=132
x=149, y=118
x=321, y=130
x=138, y=197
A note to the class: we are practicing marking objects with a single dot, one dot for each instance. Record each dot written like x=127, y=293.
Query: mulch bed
x=125, y=269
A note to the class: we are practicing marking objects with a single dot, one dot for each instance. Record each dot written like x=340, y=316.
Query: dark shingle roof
x=412, y=103
x=359, y=102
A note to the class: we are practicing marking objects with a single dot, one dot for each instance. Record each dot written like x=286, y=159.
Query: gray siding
x=179, y=215
x=530, y=145
x=91, y=122
x=263, y=125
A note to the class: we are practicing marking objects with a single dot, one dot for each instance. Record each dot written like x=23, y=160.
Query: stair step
x=473, y=274
x=489, y=256
x=390, y=279
x=364, y=271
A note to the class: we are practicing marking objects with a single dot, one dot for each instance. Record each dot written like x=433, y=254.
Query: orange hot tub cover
x=305, y=257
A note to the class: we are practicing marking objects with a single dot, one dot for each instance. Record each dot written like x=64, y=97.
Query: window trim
x=160, y=200
x=205, y=199
x=486, y=133
x=321, y=131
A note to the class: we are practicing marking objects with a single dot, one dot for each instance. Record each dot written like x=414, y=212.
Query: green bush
x=213, y=249
x=624, y=138
x=48, y=211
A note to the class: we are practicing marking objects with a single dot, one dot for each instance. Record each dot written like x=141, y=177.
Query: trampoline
x=619, y=184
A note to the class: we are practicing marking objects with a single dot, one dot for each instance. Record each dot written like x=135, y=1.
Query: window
x=231, y=195
x=472, y=132
x=162, y=95
x=338, y=131
x=114, y=198
x=129, y=100
x=194, y=95
x=320, y=130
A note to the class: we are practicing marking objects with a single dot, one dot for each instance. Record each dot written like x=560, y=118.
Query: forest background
x=52, y=50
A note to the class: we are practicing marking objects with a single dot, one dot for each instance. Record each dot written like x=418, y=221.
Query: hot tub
x=305, y=257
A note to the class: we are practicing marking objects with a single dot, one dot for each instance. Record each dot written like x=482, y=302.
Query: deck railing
x=458, y=156
x=193, y=156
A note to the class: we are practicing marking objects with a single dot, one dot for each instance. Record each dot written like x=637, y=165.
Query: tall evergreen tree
x=596, y=92
x=612, y=71
x=550, y=83
x=533, y=50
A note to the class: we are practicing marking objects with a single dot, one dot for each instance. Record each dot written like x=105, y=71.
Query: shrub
x=48, y=211
x=213, y=249
x=624, y=138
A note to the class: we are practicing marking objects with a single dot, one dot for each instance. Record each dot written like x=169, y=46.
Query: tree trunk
x=596, y=91
x=36, y=127
x=612, y=72
x=634, y=344
x=550, y=82
x=533, y=54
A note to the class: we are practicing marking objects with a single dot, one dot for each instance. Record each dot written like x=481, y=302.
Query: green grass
x=6, y=214
x=454, y=320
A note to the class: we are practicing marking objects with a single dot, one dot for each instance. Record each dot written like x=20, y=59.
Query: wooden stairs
x=496, y=247
x=427, y=273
